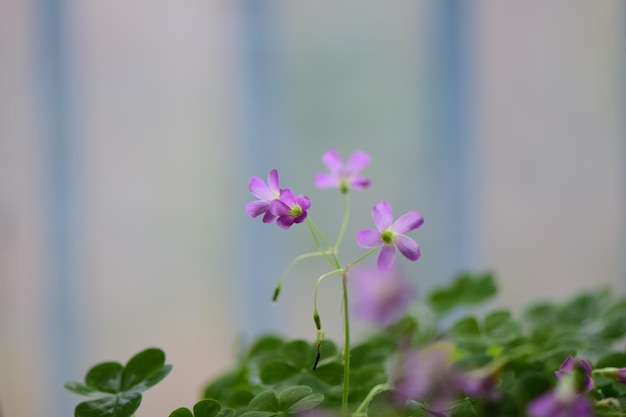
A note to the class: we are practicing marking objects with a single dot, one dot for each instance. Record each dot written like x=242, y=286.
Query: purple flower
x=343, y=176
x=389, y=235
x=265, y=194
x=289, y=209
x=381, y=297
x=427, y=376
x=555, y=403
x=620, y=375
x=568, y=398
x=480, y=383
x=580, y=368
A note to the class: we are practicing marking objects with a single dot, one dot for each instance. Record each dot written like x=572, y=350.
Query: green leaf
x=306, y=403
x=292, y=395
x=120, y=388
x=153, y=379
x=542, y=313
x=465, y=290
x=258, y=414
x=269, y=345
x=330, y=373
x=615, y=359
x=222, y=387
x=299, y=353
x=82, y=389
x=328, y=350
x=277, y=371
x=465, y=327
x=226, y=412
x=142, y=366
x=500, y=325
x=111, y=406
x=106, y=377
x=265, y=401
x=181, y=412
x=206, y=408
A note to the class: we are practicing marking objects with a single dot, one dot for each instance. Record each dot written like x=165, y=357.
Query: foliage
x=274, y=376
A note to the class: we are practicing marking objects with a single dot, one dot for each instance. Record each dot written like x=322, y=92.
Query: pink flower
x=265, y=194
x=581, y=368
x=343, y=176
x=389, y=234
x=381, y=297
x=289, y=209
x=555, y=404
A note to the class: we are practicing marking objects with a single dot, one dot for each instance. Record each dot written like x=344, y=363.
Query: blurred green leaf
x=299, y=353
x=465, y=290
x=299, y=398
x=277, y=371
x=465, y=327
x=265, y=401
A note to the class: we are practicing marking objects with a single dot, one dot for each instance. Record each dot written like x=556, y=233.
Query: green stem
x=378, y=388
x=344, y=222
x=360, y=258
x=319, y=280
x=346, y=351
x=313, y=228
x=291, y=265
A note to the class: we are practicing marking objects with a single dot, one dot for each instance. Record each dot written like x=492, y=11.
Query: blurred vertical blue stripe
x=450, y=60
x=261, y=143
x=59, y=207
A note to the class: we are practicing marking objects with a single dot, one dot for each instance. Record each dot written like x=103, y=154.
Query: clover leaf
x=292, y=400
x=118, y=387
x=466, y=290
x=204, y=408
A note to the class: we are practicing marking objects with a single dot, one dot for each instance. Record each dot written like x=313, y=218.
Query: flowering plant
x=554, y=360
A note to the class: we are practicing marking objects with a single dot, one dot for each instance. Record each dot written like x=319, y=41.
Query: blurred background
x=129, y=131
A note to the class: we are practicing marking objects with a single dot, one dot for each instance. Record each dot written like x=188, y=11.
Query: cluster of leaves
x=118, y=388
x=274, y=376
x=527, y=350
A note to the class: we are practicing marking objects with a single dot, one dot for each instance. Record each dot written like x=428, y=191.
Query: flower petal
x=260, y=190
x=408, y=247
x=382, y=215
x=369, y=238
x=386, y=257
x=303, y=201
x=273, y=182
x=357, y=162
x=407, y=222
x=256, y=208
x=269, y=217
x=300, y=218
x=324, y=180
x=278, y=208
x=286, y=196
x=332, y=160
x=359, y=183
x=285, y=222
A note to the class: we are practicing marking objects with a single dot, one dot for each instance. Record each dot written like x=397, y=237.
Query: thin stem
x=315, y=312
x=378, y=388
x=346, y=351
x=319, y=232
x=344, y=222
x=312, y=228
x=291, y=265
x=360, y=258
